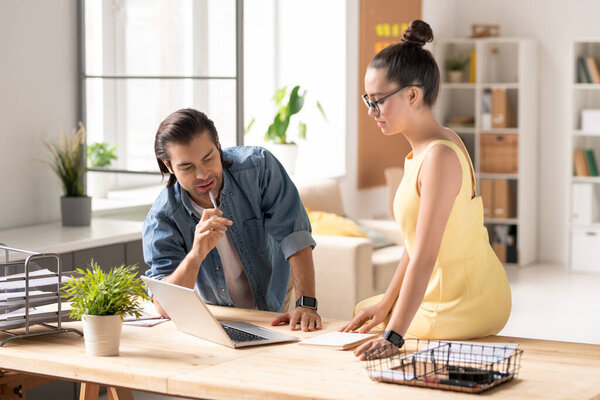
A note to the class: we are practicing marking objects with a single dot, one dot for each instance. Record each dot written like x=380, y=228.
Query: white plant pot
x=455, y=76
x=102, y=334
x=98, y=184
x=287, y=155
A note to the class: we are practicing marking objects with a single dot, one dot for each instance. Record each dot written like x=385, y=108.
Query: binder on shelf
x=580, y=161
x=590, y=120
x=503, y=205
x=593, y=70
x=502, y=111
x=582, y=71
x=487, y=197
x=472, y=66
x=591, y=162
x=584, y=210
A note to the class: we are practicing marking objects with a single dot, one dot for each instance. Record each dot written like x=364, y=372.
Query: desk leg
x=89, y=391
x=117, y=393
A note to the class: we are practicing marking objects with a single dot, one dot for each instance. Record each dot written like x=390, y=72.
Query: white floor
x=548, y=303
x=552, y=303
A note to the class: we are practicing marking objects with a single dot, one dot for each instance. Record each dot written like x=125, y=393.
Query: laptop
x=190, y=314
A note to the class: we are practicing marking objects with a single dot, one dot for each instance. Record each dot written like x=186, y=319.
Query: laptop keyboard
x=241, y=336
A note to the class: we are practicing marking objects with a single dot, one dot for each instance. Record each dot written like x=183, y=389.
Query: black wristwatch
x=394, y=338
x=307, y=301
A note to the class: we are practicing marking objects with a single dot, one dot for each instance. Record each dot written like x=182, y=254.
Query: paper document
x=14, y=300
x=37, y=272
x=149, y=317
x=339, y=340
x=392, y=375
x=146, y=322
x=33, y=282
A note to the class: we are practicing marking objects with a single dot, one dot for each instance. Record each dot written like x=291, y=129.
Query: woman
x=449, y=283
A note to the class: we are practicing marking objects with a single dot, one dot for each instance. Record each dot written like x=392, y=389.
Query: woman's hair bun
x=418, y=33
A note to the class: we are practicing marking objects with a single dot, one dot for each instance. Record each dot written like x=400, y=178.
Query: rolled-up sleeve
x=163, y=246
x=285, y=217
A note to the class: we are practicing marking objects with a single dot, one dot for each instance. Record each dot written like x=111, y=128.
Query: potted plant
x=68, y=161
x=99, y=155
x=280, y=141
x=455, y=66
x=100, y=300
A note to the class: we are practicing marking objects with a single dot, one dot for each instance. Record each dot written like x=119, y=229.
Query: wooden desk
x=163, y=360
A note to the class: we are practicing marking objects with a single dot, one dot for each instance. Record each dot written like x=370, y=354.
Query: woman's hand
x=375, y=313
x=376, y=348
x=209, y=230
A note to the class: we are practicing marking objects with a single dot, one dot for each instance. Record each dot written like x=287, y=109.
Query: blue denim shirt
x=269, y=225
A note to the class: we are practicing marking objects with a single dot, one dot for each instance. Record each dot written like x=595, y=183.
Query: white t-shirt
x=235, y=276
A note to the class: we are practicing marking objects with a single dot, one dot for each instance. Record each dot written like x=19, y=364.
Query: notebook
x=339, y=340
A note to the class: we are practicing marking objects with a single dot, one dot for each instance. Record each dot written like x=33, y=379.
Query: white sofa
x=347, y=269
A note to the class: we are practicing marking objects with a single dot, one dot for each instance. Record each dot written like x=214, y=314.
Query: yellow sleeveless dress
x=468, y=295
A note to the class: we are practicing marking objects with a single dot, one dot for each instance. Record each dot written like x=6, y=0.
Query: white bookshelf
x=584, y=232
x=516, y=71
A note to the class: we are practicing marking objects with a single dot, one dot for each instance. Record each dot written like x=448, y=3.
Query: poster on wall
x=382, y=23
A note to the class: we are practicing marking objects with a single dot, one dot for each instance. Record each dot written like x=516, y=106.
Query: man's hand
x=308, y=319
x=209, y=230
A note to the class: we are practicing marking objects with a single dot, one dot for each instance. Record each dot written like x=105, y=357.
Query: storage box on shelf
x=499, y=95
x=583, y=150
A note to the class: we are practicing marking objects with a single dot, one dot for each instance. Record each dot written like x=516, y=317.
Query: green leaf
x=296, y=101
x=249, y=126
x=301, y=130
x=320, y=107
x=279, y=95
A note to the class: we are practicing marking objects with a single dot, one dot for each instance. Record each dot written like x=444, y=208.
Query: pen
x=212, y=198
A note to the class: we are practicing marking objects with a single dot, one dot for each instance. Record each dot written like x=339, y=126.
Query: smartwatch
x=307, y=301
x=394, y=338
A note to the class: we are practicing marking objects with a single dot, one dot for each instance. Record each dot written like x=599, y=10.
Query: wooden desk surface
x=164, y=360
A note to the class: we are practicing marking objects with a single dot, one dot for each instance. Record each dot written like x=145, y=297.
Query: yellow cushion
x=324, y=223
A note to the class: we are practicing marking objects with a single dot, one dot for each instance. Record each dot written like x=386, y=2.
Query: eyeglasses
x=374, y=104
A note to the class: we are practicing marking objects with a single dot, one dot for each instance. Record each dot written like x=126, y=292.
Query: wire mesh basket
x=458, y=366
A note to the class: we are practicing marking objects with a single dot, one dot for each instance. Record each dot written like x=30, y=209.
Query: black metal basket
x=457, y=366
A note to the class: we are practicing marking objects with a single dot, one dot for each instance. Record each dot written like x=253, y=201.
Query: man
x=239, y=249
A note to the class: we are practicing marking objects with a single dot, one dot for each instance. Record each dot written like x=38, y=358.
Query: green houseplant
x=101, y=299
x=99, y=155
x=278, y=135
x=455, y=65
x=68, y=162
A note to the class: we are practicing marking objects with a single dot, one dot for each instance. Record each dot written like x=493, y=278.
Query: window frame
x=83, y=76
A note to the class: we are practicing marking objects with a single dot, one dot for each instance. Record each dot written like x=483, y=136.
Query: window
x=143, y=59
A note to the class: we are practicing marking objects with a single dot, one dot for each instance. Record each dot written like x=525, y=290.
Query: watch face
x=309, y=301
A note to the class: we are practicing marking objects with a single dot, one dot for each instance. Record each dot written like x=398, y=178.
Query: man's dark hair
x=181, y=127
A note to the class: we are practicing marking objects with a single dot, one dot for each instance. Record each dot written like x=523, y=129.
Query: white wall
x=38, y=96
x=554, y=24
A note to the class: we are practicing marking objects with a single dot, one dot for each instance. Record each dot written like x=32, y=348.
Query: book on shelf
x=593, y=69
x=583, y=75
x=591, y=162
x=472, y=66
x=580, y=163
